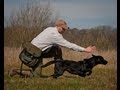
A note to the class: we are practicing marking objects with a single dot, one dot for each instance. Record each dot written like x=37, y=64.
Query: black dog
x=81, y=68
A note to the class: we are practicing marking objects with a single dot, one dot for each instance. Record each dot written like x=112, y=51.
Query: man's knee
x=58, y=51
x=56, y=46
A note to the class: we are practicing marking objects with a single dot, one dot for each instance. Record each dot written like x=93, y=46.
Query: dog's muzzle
x=105, y=62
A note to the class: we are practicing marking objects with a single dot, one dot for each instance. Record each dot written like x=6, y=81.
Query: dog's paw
x=82, y=75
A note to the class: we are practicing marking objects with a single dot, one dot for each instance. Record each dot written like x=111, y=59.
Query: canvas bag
x=30, y=55
x=32, y=49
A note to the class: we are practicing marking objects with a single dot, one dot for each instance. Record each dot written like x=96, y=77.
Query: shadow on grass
x=45, y=76
x=66, y=76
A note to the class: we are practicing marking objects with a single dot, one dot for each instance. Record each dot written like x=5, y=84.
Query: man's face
x=64, y=27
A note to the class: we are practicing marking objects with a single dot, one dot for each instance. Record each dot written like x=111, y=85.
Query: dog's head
x=99, y=60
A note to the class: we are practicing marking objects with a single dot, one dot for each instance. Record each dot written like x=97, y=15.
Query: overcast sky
x=78, y=13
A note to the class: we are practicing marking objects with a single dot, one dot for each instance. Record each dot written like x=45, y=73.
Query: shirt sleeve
x=58, y=39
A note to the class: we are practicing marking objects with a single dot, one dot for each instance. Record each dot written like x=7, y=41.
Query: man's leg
x=53, y=51
x=37, y=71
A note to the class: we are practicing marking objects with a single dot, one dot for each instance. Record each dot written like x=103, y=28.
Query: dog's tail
x=49, y=63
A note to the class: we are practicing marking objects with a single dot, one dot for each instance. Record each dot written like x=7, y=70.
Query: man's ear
x=93, y=55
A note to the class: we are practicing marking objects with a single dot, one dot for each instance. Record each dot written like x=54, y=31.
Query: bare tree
x=27, y=22
x=32, y=16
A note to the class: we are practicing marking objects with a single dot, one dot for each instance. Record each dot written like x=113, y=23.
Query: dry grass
x=11, y=56
x=102, y=78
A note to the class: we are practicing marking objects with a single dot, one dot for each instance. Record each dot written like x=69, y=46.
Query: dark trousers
x=53, y=51
x=56, y=52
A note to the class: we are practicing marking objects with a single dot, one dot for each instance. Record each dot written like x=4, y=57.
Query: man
x=51, y=38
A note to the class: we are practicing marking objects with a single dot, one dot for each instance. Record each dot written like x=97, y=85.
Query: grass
x=102, y=78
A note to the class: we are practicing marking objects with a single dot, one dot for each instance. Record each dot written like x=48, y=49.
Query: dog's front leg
x=82, y=74
x=89, y=73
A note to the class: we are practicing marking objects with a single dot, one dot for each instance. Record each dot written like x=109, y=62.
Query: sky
x=77, y=13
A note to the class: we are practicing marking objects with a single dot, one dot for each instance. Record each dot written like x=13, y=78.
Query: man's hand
x=90, y=49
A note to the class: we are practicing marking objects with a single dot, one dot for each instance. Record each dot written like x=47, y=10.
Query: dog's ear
x=93, y=55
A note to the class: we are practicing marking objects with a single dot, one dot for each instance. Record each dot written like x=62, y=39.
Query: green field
x=102, y=78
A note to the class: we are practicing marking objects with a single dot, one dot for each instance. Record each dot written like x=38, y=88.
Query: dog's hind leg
x=89, y=73
x=56, y=75
x=58, y=70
